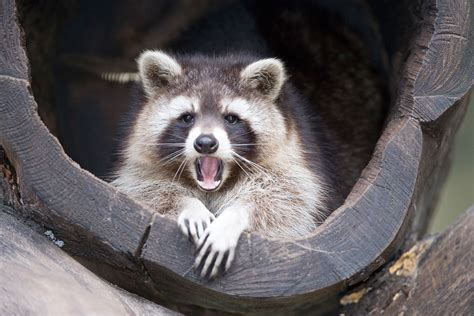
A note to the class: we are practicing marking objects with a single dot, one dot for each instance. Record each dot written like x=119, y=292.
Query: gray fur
x=287, y=192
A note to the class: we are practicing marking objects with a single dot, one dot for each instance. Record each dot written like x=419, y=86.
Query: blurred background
x=458, y=192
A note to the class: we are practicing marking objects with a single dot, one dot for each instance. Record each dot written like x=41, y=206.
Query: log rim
x=415, y=108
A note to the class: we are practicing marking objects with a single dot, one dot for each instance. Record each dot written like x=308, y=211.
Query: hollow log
x=434, y=277
x=431, y=76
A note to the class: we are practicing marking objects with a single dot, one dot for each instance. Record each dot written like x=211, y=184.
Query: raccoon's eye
x=187, y=118
x=231, y=119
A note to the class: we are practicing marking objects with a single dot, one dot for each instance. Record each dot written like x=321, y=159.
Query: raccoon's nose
x=206, y=144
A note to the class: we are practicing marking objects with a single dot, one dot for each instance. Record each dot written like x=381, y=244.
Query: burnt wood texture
x=145, y=253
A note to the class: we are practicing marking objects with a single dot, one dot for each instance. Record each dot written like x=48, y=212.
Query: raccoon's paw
x=194, y=219
x=216, y=249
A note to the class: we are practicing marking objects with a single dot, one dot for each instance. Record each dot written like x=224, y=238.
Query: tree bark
x=434, y=277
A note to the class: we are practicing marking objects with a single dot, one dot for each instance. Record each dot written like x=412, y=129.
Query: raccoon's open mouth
x=209, y=172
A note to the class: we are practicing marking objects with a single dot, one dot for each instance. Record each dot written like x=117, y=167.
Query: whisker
x=172, y=156
x=243, y=134
x=172, y=144
x=183, y=163
x=173, y=136
x=250, y=168
x=253, y=164
x=179, y=137
x=170, y=160
x=238, y=145
x=238, y=164
x=184, y=167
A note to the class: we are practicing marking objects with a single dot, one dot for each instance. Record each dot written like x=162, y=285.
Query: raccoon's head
x=205, y=120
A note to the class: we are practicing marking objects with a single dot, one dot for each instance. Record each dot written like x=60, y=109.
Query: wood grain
x=339, y=250
x=434, y=277
x=13, y=60
x=124, y=243
x=38, y=278
x=447, y=66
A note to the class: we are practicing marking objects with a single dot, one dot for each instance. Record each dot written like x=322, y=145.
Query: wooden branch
x=434, y=277
x=127, y=244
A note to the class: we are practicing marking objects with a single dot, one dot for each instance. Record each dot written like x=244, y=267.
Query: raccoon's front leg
x=194, y=218
x=217, y=246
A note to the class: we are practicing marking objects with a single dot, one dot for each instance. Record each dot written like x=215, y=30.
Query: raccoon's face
x=206, y=120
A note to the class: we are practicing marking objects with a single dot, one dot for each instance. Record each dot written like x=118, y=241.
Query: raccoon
x=224, y=145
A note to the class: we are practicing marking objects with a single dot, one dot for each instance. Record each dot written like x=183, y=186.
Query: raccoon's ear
x=157, y=70
x=266, y=76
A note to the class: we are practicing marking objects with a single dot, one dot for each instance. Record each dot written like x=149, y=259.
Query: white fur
x=258, y=71
x=223, y=151
x=275, y=195
x=194, y=218
x=266, y=120
x=221, y=237
x=151, y=122
x=160, y=64
x=164, y=112
x=282, y=191
x=191, y=152
x=162, y=195
x=239, y=106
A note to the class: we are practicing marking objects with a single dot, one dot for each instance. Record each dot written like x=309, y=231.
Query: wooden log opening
x=416, y=55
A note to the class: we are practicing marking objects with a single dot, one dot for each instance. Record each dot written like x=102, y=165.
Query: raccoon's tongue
x=209, y=168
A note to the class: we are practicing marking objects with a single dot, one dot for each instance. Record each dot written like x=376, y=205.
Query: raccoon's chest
x=216, y=202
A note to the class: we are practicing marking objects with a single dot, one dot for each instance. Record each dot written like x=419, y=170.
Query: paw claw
x=202, y=250
x=215, y=252
x=215, y=238
x=217, y=264
x=199, y=231
x=193, y=219
x=229, y=260
x=202, y=241
x=208, y=263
